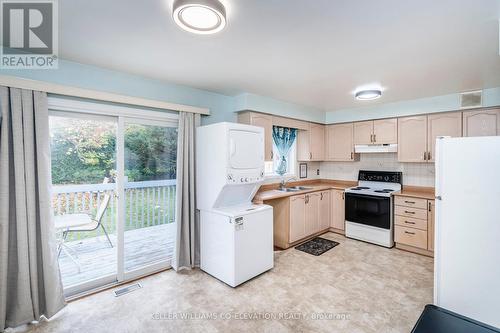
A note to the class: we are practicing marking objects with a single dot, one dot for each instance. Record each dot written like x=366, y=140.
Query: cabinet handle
x=352, y=155
x=429, y=204
x=409, y=233
x=410, y=202
x=310, y=156
x=374, y=137
x=409, y=222
x=343, y=195
x=428, y=156
x=407, y=212
x=425, y=156
x=321, y=196
x=272, y=154
x=371, y=137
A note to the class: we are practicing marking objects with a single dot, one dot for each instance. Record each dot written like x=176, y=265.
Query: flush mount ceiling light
x=367, y=95
x=199, y=16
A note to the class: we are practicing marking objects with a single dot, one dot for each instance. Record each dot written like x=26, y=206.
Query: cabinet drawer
x=411, y=222
x=411, y=212
x=410, y=202
x=411, y=236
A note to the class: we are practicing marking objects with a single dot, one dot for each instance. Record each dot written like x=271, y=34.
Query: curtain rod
x=54, y=88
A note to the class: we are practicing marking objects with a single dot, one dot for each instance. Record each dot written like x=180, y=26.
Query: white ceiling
x=310, y=52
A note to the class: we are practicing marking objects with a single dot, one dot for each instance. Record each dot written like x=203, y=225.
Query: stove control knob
x=386, y=178
x=229, y=176
x=241, y=179
x=246, y=179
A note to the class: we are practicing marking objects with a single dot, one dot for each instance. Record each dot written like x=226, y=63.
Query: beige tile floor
x=356, y=287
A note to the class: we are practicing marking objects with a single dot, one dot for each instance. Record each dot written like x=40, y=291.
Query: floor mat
x=317, y=246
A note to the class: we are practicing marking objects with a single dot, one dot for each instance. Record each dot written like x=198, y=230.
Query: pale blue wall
x=95, y=78
x=451, y=102
x=269, y=105
x=222, y=107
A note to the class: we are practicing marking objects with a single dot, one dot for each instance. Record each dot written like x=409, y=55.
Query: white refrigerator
x=467, y=234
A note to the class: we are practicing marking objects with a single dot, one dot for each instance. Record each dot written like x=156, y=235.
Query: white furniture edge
x=17, y=82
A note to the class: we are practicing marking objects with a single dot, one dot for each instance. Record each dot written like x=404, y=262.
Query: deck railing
x=147, y=203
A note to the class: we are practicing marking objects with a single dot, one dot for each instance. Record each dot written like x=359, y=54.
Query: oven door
x=369, y=210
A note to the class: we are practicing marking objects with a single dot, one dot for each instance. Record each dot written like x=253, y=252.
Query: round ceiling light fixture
x=368, y=95
x=199, y=16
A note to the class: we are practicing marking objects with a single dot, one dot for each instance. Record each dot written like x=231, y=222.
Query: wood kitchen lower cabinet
x=324, y=210
x=414, y=224
x=299, y=217
x=337, y=222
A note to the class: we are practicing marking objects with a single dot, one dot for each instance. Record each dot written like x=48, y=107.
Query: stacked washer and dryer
x=236, y=236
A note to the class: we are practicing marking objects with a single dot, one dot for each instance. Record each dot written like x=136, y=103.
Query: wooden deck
x=97, y=258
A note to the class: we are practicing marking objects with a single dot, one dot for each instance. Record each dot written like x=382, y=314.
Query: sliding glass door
x=150, y=170
x=113, y=196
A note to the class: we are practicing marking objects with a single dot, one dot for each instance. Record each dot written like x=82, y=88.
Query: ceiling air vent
x=471, y=99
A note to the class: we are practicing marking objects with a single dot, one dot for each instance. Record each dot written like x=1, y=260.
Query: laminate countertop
x=270, y=191
x=417, y=192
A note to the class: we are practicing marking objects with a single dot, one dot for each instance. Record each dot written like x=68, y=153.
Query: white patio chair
x=71, y=223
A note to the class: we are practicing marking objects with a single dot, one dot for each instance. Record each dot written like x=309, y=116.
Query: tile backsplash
x=416, y=174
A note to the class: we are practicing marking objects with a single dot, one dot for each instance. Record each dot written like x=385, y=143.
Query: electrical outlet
x=317, y=172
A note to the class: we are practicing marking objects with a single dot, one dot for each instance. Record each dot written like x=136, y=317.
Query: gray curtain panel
x=187, y=254
x=30, y=283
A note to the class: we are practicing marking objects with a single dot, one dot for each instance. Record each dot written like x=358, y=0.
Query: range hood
x=386, y=148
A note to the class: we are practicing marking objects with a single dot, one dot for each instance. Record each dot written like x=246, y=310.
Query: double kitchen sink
x=294, y=189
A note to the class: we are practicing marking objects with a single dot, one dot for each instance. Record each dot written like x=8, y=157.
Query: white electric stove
x=368, y=207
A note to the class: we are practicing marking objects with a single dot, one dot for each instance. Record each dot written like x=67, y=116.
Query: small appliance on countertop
x=236, y=236
x=368, y=207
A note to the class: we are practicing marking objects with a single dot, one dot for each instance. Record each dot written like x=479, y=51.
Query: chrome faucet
x=284, y=181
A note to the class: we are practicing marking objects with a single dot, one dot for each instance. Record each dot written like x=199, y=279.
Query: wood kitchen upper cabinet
x=412, y=139
x=297, y=218
x=382, y=131
x=312, y=213
x=337, y=209
x=363, y=132
x=482, y=123
x=442, y=124
x=385, y=131
x=311, y=143
x=431, y=224
x=261, y=120
x=324, y=210
x=340, y=142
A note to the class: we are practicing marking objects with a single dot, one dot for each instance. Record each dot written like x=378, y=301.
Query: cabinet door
x=430, y=225
x=312, y=210
x=317, y=142
x=482, y=123
x=412, y=139
x=363, y=133
x=443, y=124
x=340, y=142
x=385, y=131
x=266, y=122
x=324, y=210
x=297, y=218
x=303, y=143
x=337, y=210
